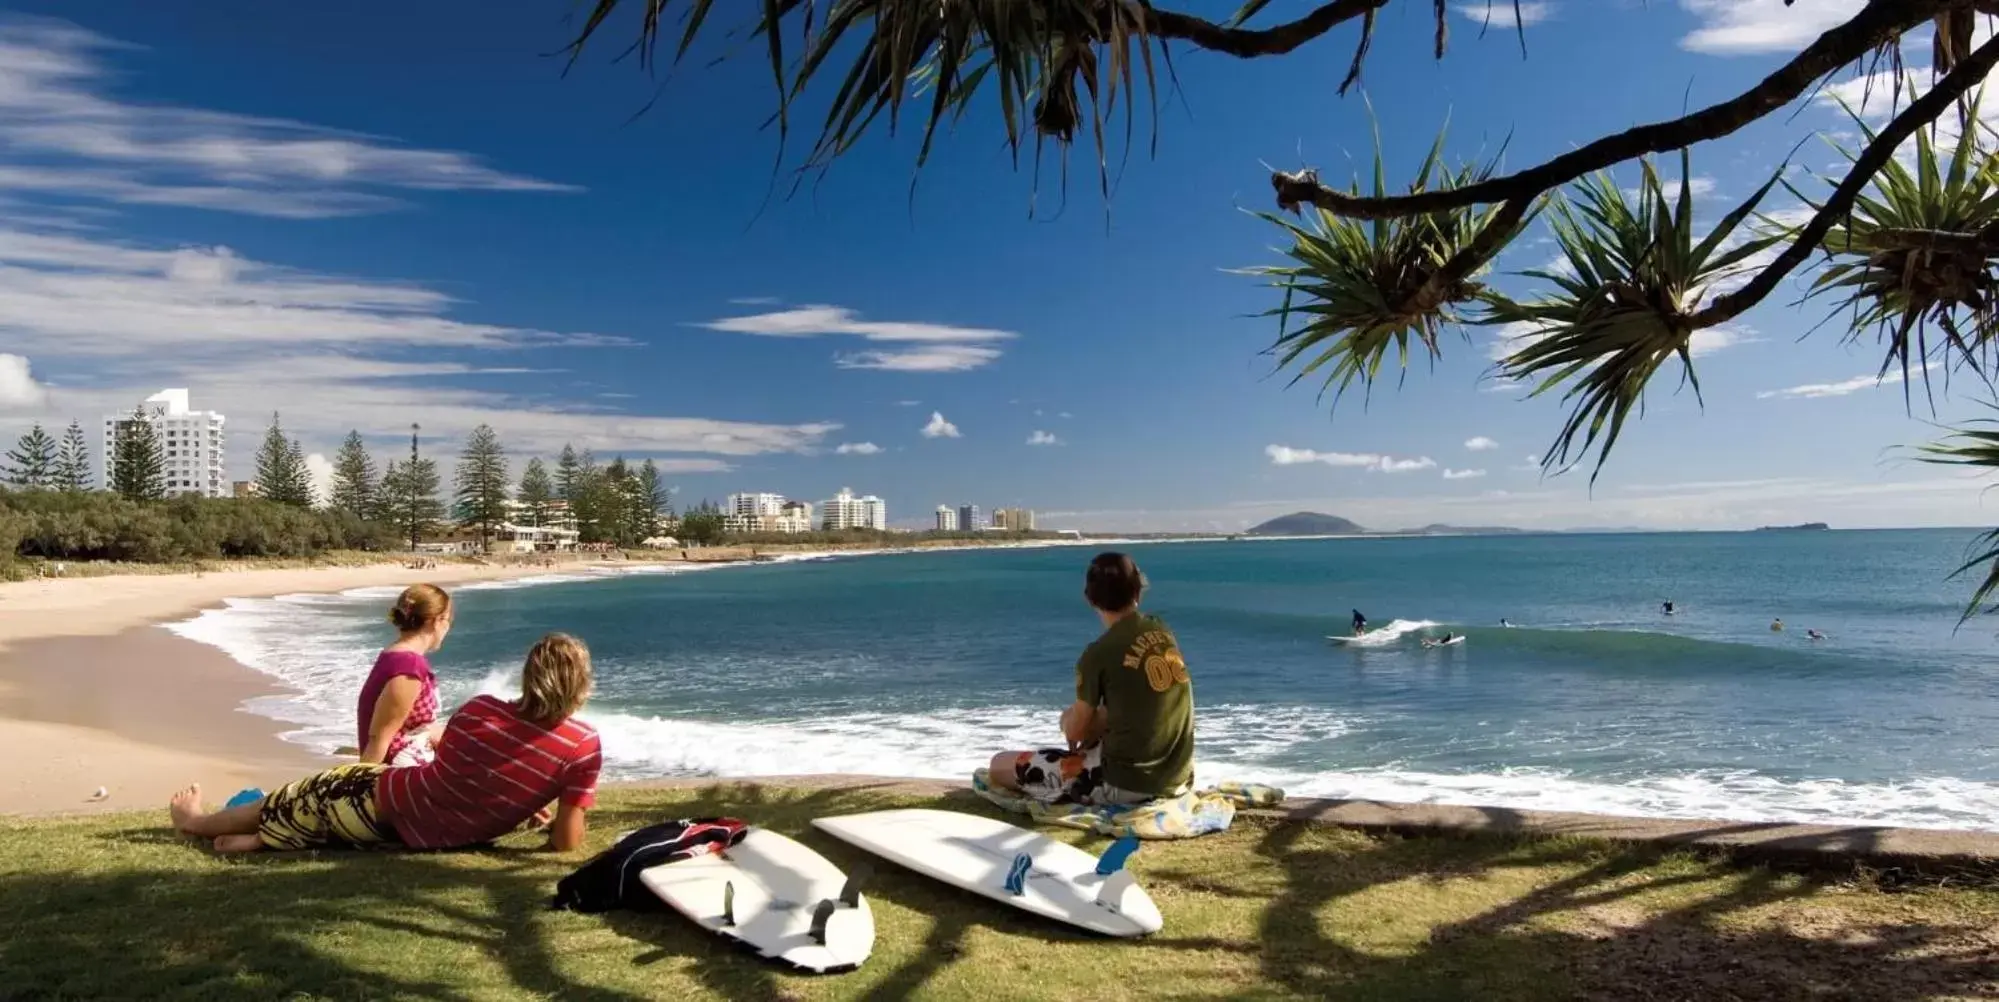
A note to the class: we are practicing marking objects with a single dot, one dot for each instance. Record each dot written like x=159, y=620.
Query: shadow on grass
x=1587, y=936
x=1284, y=909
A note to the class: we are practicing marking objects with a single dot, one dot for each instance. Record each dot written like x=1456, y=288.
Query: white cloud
x=909, y=403
x=319, y=470
x=940, y=428
x=1480, y=443
x=1511, y=338
x=945, y=348
x=1700, y=184
x=85, y=295
x=755, y=301
x=1463, y=474
x=857, y=449
x=1709, y=340
x=251, y=337
x=18, y=389
x=1043, y=438
x=1734, y=27
x=1500, y=13
x=57, y=106
x=935, y=358
x=1284, y=455
x=1812, y=391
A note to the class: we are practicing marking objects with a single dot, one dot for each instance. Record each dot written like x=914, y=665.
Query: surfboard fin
x=1111, y=894
x=1113, y=858
x=1016, y=875
x=850, y=894
x=729, y=903
x=820, y=915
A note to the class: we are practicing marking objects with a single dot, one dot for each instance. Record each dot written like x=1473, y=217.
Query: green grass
x=115, y=906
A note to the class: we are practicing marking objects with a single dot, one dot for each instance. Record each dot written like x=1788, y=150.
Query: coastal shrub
x=103, y=526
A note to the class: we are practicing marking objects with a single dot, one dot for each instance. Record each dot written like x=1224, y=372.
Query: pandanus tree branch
x=1969, y=72
x=1250, y=43
x=1880, y=22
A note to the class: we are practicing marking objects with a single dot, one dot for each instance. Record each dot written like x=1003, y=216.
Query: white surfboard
x=979, y=854
x=774, y=895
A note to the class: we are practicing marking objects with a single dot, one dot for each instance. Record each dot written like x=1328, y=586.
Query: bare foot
x=238, y=843
x=185, y=807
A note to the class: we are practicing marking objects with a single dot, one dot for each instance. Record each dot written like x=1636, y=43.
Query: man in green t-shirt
x=1131, y=728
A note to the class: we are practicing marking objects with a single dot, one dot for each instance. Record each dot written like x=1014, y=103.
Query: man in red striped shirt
x=498, y=765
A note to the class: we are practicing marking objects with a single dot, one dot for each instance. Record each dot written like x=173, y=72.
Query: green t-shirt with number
x=1136, y=673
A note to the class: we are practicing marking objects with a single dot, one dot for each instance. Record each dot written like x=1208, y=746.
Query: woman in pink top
x=398, y=710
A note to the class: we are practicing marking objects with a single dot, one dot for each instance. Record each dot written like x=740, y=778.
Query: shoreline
x=96, y=693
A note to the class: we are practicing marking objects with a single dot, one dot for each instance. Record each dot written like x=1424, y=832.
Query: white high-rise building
x=756, y=505
x=947, y=518
x=191, y=445
x=845, y=511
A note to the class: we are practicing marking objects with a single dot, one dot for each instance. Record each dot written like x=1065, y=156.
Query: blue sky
x=379, y=214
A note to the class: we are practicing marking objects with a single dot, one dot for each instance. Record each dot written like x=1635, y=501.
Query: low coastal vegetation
x=105, y=907
x=88, y=526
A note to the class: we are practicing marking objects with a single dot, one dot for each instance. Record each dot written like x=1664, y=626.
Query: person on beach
x=1131, y=728
x=500, y=764
x=398, y=710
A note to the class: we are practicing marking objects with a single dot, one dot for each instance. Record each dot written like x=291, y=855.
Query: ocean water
x=923, y=664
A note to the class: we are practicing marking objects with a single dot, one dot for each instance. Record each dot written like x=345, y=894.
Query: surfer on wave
x=1667, y=607
x=1359, y=623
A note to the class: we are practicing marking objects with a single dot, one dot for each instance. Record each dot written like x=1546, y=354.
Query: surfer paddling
x=1131, y=727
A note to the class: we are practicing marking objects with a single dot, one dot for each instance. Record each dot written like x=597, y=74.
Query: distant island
x=1306, y=523
x=1312, y=523
x=1806, y=527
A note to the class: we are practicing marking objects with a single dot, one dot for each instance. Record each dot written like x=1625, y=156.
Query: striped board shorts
x=331, y=809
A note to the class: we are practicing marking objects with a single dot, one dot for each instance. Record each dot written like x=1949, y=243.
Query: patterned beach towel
x=1185, y=816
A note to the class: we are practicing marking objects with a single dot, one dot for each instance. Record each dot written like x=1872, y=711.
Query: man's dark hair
x=1113, y=582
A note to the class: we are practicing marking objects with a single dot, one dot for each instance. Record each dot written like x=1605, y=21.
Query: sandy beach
x=93, y=694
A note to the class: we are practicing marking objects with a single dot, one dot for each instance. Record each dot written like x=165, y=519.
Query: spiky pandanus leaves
x=1913, y=262
x=1360, y=290
x=1621, y=308
x=1976, y=445
x=1054, y=65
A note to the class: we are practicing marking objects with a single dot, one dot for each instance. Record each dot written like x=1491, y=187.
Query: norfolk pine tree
x=481, y=482
x=73, y=462
x=536, y=491
x=32, y=463
x=281, y=472
x=355, y=486
x=139, y=464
